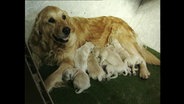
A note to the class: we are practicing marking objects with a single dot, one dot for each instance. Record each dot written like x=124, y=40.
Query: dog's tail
x=149, y=57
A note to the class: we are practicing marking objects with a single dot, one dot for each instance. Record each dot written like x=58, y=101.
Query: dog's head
x=53, y=23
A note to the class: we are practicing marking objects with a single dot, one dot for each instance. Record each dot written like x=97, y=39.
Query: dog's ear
x=35, y=36
x=37, y=23
x=65, y=12
x=34, y=42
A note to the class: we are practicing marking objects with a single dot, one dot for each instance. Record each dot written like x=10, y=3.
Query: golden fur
x=48, y=29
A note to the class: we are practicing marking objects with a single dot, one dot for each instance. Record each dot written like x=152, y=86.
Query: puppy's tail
x=149, y=57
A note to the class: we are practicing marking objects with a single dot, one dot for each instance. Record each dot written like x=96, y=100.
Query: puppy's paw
x=134, y=73
x=144, y=74
x=78, y=91
x=125, y=73
x=100, y=79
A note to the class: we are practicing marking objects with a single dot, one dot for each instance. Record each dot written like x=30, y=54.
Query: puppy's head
x=68, y=74
x=53, y=23
x=89, y=45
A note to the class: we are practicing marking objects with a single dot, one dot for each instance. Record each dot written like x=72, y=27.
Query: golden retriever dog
x=81, y=56
x=94, y=69
x=54, y=28
x=55, y=79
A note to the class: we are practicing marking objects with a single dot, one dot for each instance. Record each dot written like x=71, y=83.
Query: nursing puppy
x=80, y=79
x=119, y=49
x=112, y=61
x=82, y=54
x=114, y=70
x=54, y=28
x=94, y=69
x=134, y=63
x=131, y=60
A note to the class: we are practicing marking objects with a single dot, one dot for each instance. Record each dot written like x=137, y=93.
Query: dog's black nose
x=66, y=30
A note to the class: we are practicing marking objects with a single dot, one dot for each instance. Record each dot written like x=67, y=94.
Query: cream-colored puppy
x=119, y=49
x=134, y=63
x=114, y=70
x=82, y=54
x=112, y=61
x=69, y=73
x=131, y=60
x=80, y=79
x=94, y=69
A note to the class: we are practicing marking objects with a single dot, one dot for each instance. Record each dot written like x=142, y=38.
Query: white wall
x=145, y=20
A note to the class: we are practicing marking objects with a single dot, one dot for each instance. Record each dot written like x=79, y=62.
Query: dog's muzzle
x=64, y=37
x=66, y=31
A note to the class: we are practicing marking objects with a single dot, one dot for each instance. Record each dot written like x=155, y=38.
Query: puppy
x=112, y=61
x=80, y=79
x=69, y=74
x=81, y=56
x=119, y=49
x=94, y=70
x=114, y=70
x=134, y=63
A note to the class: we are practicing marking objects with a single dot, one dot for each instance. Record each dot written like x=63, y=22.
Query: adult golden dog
x=55, y=31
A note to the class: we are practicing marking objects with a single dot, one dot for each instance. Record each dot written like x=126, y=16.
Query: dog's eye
x=64, y=17
x=51, y=20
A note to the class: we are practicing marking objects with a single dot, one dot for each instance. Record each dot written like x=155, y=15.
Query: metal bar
x=37, y=77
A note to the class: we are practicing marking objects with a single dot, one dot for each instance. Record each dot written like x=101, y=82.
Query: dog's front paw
x=144, y=74
x=59, y=84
